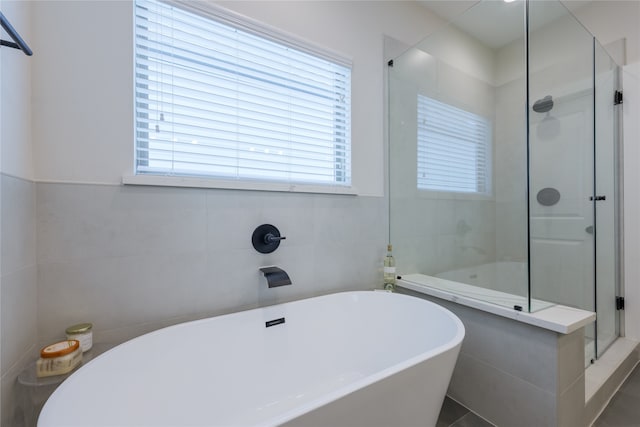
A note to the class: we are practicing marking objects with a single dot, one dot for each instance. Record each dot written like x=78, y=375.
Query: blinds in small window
x=214, y=100
x=454, y=149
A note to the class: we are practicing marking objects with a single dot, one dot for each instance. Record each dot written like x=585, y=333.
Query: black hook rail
x=17, y=42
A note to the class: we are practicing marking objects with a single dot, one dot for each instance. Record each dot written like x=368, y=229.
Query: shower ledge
x=553, y=317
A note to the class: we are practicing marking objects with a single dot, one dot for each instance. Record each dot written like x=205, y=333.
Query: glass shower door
x=573, y=171
x=561, y=160
x=606, y=82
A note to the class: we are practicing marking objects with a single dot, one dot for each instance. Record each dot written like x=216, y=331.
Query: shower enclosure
x=504, y=157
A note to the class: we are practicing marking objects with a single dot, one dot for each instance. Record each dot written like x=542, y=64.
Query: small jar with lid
x=82, y=332
x=59, y=358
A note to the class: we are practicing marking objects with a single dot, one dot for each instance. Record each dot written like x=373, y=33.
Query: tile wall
x=18, y=285
x=131, y=259
x=514, y=374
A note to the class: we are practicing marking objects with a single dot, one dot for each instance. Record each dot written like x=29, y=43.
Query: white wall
x=16, y=134
x=631, y=221
x=18, y=298
x=83, y=79
x=82, y=90
x=611, y=20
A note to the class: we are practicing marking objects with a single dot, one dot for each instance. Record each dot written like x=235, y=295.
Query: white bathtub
x=346, y=359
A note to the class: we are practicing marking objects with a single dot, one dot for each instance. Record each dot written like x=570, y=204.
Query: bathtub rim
x=453, y=344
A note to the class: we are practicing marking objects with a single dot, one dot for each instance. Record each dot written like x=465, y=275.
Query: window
x=454, y=149
x=216, y=98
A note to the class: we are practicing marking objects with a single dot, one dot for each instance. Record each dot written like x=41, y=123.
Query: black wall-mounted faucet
x=275, y=276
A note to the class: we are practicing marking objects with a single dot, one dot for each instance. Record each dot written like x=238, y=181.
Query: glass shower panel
x=561, y=158
x=504, y=154
x=458, y=158
x=607, y=200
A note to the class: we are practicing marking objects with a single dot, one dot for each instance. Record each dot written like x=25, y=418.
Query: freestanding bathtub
x=346, y=359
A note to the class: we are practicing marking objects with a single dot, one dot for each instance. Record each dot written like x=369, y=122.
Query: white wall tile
x=232, y=216
x=344, y=220
x=514, y=374
x=18, y=323
x=127, y=258
x=112, y=337
x=16, y=407
x=506, y=400
x=114, y=292
x=571, y=404
x=18, y=244
x=570, y=350
x=18, y=286
x=92, y=221
x=515, y=348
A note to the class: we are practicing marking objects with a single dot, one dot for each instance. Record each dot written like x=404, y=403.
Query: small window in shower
x=454, y=149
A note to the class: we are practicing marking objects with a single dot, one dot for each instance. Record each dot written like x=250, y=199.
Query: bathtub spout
x=275, y=276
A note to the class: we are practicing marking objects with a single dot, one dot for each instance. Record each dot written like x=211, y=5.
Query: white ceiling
x=447, y=9
x=495, y=23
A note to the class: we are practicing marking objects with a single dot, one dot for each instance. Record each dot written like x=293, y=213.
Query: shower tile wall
x=132, y=259
x=441, y=235
x=435, y=232
x=510, y=175
x=18, y=284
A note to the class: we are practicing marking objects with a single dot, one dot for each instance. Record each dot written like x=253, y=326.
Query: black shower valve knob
x=266, y=238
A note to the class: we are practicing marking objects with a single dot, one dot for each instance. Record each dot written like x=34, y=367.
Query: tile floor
x=622, y=411
x=455, y=415
x=624, y=408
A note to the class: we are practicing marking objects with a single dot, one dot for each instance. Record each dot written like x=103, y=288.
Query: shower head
x=543, y=105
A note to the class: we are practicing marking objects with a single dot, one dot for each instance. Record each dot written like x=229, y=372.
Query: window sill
x=195, y=182
x=450, y=195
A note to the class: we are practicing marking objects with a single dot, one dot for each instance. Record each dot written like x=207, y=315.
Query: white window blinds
x=217, y=101
x=454, y=149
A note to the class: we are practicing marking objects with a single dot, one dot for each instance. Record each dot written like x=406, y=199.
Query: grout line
x=469, y=411
x=461, y=417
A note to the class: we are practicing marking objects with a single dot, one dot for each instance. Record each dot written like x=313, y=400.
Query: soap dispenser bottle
x=389, y=274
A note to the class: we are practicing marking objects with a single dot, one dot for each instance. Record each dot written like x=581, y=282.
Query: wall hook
x=17, y=42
